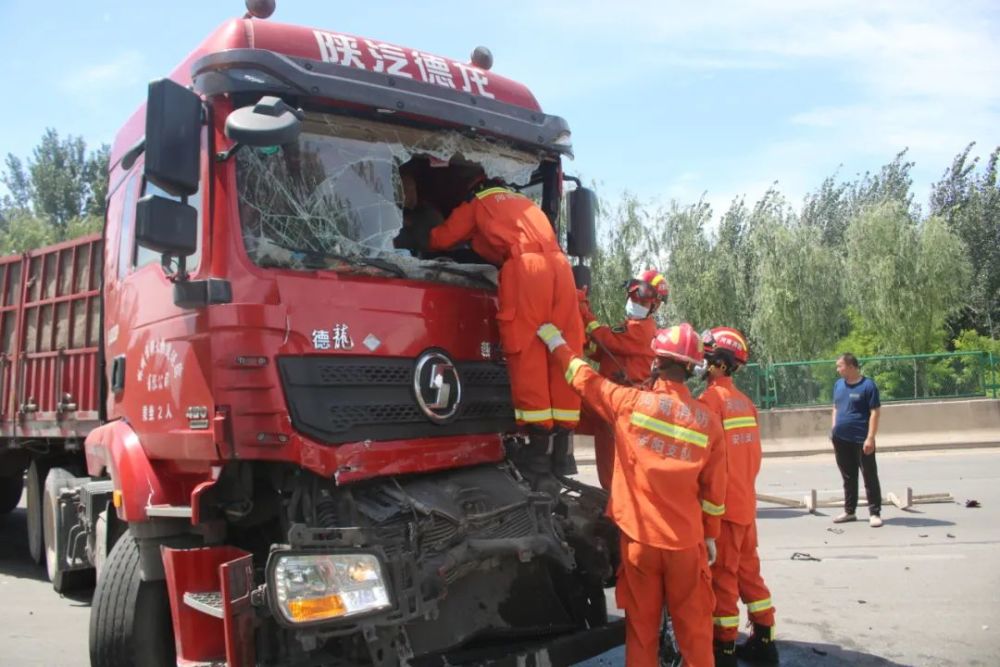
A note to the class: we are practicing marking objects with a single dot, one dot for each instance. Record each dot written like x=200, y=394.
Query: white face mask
x=700, y=370
x=635, y=311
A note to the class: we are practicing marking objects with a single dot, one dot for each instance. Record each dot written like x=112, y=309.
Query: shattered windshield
x=335, y=199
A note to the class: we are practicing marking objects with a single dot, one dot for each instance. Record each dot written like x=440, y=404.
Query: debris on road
x=972, y=504
x=798, y=555
x=838, y=531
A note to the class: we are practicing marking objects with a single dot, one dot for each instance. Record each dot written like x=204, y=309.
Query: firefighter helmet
x=726, y=342
x=648, y=287
x=680, y=343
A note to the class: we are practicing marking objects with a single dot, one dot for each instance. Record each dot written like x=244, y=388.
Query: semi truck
x=271, y=436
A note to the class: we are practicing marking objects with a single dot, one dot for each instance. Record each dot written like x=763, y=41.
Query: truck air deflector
x=258, y=71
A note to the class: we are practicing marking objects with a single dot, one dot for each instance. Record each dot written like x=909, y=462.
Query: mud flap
x=238, y=618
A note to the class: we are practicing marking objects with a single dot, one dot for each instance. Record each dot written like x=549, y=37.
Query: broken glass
x=334, y=200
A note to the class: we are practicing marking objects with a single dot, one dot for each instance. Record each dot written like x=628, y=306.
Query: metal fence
x=899, y=378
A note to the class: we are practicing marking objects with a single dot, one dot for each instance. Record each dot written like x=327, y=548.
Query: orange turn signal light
x=315, y=609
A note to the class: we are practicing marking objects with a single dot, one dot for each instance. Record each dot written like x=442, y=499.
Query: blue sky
x=666, y=99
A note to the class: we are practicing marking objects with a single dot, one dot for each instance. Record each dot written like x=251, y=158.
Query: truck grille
x=346, y=399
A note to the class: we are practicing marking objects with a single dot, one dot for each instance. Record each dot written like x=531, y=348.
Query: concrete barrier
x=903, y=426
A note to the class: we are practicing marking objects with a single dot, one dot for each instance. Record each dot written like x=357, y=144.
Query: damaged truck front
x=308, y=427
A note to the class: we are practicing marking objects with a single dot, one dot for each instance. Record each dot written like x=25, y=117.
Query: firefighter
x=536, y=285
x=623, y=353
x=666, y=493
x=736, y=573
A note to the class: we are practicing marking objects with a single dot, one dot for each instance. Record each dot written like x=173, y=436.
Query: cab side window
x=125, y=241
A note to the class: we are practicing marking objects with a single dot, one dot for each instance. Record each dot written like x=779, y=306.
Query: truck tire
x=62, y=577
x=130, y=618
x=11, y=487
x=35, y=488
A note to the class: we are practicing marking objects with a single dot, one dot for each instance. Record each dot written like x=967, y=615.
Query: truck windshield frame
x=334, y=200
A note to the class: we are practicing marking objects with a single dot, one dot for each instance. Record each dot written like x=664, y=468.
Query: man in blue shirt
x=856, y=409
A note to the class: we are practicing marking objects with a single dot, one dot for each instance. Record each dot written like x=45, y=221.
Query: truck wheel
x=129, y=618
x=36, y=482
x=62, y=577
x=10, y=491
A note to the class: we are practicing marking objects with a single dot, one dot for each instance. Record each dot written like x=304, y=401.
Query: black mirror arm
x=222, y=156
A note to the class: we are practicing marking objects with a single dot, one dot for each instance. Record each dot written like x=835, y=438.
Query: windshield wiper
x=447, y=268
x=319, y=260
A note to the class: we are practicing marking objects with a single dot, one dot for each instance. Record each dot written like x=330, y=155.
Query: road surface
x=922, y=590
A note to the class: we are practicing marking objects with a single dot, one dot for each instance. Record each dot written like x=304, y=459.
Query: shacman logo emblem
x=436, y=386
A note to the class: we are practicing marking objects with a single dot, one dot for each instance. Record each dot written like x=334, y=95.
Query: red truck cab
x=303, y=454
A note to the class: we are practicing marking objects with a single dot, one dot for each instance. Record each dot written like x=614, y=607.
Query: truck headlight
x=316, y=587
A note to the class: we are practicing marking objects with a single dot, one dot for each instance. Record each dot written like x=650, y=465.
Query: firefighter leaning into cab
x=623, y=355
x=536, y=285
x=736, y=572
x=666, y=493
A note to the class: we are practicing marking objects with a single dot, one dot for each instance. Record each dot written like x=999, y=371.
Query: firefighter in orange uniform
x=736, y=573
x=623, y=354
x=536, y=281
x=666, y=494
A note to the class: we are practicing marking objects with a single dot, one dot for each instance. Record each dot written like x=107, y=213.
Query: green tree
x=798, y=303
x=969, y=201
x=24, y=232
x=59, y=183
x=905, y=277
x=623, y=235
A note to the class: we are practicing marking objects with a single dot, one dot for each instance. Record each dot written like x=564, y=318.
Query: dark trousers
x=850, y=458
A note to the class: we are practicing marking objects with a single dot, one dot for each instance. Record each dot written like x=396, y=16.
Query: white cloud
x=919, y=74
x=122, y=72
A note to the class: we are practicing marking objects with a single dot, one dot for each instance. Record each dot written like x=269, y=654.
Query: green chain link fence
x=899, y=378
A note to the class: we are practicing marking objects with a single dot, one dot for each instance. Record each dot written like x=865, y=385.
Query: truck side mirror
x=270, y=122
x=581, y=235
x=166, y=226
x=173, y=137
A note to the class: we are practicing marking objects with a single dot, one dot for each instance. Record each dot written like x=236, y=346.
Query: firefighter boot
x=759, y=648
x=725, y=654
x=534, y=461
x=563, y=461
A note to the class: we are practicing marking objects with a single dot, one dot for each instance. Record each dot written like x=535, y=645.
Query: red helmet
x=726, y=340
x=680, y=342
x=648, y=286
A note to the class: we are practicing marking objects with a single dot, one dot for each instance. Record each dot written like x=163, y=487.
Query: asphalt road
x=922, y=590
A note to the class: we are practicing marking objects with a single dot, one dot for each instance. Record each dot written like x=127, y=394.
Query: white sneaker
x=844, y=518
x=875, y=521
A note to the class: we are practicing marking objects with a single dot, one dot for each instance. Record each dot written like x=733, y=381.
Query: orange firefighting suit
x=666, y=497
x=536, y=286
x=629, y=344
x=736, y=573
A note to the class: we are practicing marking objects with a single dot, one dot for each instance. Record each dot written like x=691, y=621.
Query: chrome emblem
x=436, y=386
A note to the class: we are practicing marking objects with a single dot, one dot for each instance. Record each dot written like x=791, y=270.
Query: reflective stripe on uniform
x=574, y=366
x=532, y=416
x=759, y=605
x=566, y=415
x=726, y=621
x=593, y=325
x=493, y=191
x=712, y=509
x=668, y=429
x=657, y=280
x=738, y=422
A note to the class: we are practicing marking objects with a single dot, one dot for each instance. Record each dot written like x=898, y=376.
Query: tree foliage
x=59, y=192
x=857, y=267
x=970, y=204
x=905, y=277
